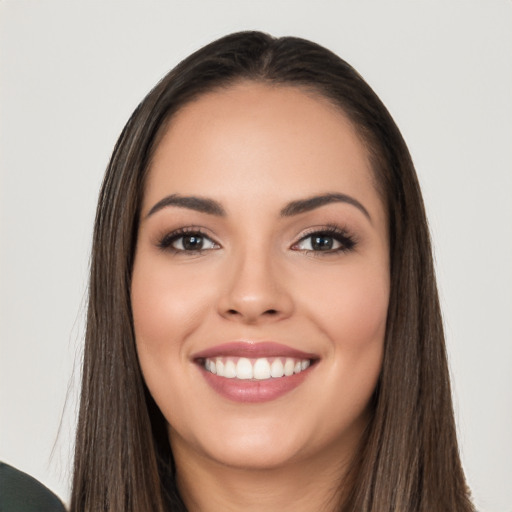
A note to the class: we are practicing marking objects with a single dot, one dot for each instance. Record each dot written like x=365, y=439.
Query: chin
x=272, y=443
x=245, y=444
x=253, y=453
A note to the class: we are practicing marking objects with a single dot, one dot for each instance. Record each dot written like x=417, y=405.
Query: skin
x=254, y=149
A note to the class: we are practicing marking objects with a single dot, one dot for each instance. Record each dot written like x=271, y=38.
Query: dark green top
x=20, y=492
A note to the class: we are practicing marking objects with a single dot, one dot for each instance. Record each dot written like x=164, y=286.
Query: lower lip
x=254, y=391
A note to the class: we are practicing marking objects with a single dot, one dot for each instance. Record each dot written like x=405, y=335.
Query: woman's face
x=261, y=279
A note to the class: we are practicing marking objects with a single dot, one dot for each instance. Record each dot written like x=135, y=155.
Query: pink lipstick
x=254, y=372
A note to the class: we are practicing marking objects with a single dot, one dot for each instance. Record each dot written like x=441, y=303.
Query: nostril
x=268, y=312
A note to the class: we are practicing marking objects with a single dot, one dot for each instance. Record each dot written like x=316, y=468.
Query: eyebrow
x=310, y=203
x=212, y=207
x=199, y=204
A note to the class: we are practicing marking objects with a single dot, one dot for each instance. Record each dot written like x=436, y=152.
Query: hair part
x=408, y=459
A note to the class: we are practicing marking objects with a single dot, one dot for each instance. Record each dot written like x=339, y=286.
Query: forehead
x=248, y=136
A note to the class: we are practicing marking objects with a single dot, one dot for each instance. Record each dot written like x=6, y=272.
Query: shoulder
x=20, y=492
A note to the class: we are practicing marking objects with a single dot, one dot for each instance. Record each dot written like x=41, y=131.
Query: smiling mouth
x=251, y=372
x=262, y=368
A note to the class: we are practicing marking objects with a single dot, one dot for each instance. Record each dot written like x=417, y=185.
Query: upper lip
x=253, y=350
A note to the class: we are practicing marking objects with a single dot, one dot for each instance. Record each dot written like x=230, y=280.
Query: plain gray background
x=72, y=72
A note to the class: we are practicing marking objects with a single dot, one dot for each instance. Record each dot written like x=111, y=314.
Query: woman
x=263, y=328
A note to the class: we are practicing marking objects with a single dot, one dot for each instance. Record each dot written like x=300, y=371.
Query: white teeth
x=277, y=369
x=288, y=367
x=229, y=369
x=259, y=369
x=244, y=369
x=304, y=364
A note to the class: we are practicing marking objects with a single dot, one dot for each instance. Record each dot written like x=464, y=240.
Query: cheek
x=351, y=306
x=166, y=305
x=351, y=310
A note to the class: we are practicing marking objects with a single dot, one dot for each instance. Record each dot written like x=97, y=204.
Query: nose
x=255, y=290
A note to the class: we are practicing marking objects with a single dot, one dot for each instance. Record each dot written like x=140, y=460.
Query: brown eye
x=319, y=242
x=187, y=242
x=325, y=241
x=322, y=243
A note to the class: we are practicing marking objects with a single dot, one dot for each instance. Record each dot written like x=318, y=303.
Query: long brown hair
x=409, y=459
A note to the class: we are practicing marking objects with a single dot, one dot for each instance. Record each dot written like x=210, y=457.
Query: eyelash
x=341, y=235
x=166, y=243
